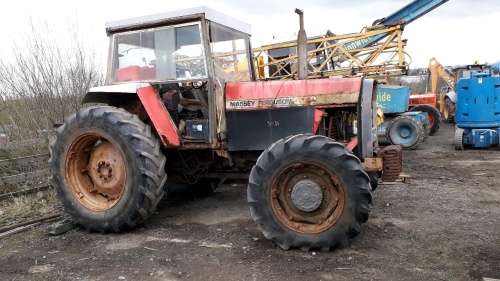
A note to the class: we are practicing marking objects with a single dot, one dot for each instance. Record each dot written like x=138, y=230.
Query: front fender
x=452, y=96
x=157, y=113
x=103, y=94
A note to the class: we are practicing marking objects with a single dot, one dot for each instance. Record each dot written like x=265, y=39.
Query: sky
x=457, y=32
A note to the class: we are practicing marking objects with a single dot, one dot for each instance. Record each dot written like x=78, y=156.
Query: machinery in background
x=402, y=127
x=428, y=102
x=375, y=51
x=477, y=110
x=445, y=99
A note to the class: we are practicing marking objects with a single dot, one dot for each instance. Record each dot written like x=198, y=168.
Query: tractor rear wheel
x=107, y=169
x=434, y=116
x=458, y=140
x=309, y=192
x=448, y=111
x=405, y=131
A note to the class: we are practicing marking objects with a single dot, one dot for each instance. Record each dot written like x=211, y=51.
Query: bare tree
x=46, y=79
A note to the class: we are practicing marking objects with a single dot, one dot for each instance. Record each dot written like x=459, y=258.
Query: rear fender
x=151, y=101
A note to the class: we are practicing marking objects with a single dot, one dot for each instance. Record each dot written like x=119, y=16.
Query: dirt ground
x=445, y=225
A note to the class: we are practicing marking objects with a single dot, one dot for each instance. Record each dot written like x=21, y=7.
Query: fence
x=23, y=175
x=20, y=144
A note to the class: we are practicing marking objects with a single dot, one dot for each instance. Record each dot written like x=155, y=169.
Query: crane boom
x=377, y=50
x=403, y=16
x=412, y=11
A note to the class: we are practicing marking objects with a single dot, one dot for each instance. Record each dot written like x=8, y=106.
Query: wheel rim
x=431, y=119
x=95, y=172
x=405, y=134
x=307, y=198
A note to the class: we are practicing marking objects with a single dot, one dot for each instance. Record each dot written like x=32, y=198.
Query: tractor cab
x=188, y=57
x=182, y=46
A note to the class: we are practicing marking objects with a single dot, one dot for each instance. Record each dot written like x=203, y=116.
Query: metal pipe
x=301, y=47
x=10, y=227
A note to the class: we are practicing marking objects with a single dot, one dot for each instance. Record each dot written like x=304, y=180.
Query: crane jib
x=404, y=16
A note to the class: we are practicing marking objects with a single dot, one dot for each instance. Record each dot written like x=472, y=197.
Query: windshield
x=229, y=51
x=169, y=53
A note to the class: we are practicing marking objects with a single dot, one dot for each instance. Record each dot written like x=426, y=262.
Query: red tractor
x=181, y=99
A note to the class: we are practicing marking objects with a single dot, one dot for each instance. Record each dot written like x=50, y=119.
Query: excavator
x=444, y=99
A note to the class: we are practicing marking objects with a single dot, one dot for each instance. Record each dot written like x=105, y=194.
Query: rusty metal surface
x=13, y=226
x=107, y=170
x=271, y=94
x=95, y=172
x=373, y=164
x=318, y=220
x=392, y=157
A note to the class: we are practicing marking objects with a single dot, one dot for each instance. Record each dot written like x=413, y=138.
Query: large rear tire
x=107, y=169
x=434, y=116
x=309, y=192
x=405, y=131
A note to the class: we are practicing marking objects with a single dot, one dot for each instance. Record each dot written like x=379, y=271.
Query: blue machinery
x=405, y=128
x=478, y=111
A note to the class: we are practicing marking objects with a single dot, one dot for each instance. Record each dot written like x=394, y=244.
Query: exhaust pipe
x=302, y=47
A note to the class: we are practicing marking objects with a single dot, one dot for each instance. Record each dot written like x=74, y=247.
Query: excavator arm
x=436, y=70
x=445, y=101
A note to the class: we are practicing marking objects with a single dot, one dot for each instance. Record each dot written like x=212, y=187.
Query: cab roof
x=176, y=17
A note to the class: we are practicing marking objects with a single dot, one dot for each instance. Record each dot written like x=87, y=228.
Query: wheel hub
x=107, y=170
x=307, y=195
x=95, y=171
x=405, y=133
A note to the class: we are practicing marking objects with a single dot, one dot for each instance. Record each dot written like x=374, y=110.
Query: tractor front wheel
x=107, y=169
x=308, y=192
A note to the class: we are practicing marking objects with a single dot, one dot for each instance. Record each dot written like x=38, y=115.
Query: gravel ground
x=445, y=225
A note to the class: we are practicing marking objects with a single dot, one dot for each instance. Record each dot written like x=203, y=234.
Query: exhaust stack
x=302, y=47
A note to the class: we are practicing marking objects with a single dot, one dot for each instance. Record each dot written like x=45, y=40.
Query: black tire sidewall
x=345, y=166
x=125, y=213
x=435, y=114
